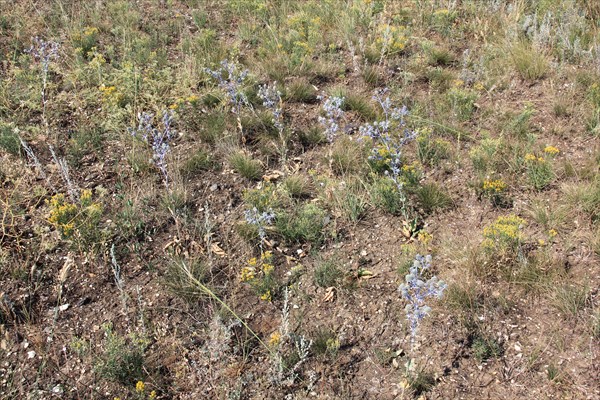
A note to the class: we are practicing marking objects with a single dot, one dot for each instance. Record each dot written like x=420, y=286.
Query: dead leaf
x=272, y=176
x=366, y=274
x=217, y=250
x=329, y=294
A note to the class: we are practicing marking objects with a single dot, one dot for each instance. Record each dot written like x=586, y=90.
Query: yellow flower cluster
x=140, y=388
x=86, y=33
x=191, y=100
x=391, y=38
x=266, y=296
x=551, y=150
x=258, y=272
x=67, y=216
x=424, y=237
x=111, y=95
x=247, y=274
x=532, y=158
x=505, y=231
x=275, y=339
x=494, y=186
x=62, y=215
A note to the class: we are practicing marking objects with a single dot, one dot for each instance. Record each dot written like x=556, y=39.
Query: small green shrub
x=485, y=347
x=483, y=156
x=431, y=150
x=462, y=102
x=385, y=195
x=539, y=171
x=122, y=359
x=9, y=140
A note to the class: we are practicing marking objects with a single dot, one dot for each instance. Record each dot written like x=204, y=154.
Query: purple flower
x=260, y=220
x=230, y=80
x=271, y=98
x=415, y=290
x=333, y=115
x=157, y=138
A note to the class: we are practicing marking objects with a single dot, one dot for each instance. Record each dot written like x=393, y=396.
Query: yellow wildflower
x=552, y=233
x=479, y=87
x=530, y=157
x=247, y=274
x=252, y=262
x=275, y=339
x=267, y=268
x=494, y=186
x=86, y=195
x=424, y=237
x=551, y=150
x=140, y=387
x=89, y=31
x=266, y=296
x=152, y=395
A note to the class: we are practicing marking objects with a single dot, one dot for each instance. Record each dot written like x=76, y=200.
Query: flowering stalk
x=415, y=290
x=381, y=132
x=44, y=52
x=333, y=115
x=271, y=98
x=232, y=86
x=260, y=220
x=158, y=138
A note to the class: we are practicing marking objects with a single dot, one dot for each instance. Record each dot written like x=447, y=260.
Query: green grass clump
x=306, y=224
x=529, y=62
x=570, y=300
x=328, y=273
x=300, y=91
x=297, y=186
x=182, y=281
x=200, y=161
x=246, y=166
x=431, y=198
x=347, y=157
